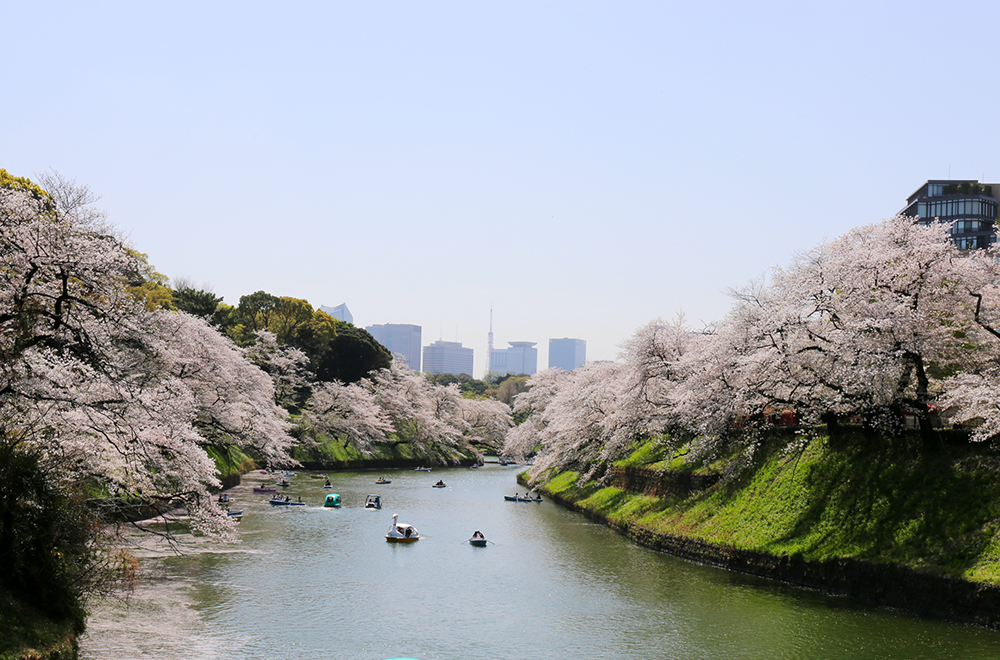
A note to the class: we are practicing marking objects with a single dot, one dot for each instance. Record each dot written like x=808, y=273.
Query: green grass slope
x=932, y=510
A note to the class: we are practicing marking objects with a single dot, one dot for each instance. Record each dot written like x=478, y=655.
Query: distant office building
x=567, y=354
x=401, y=339
x=967, y=206
x=339, y=312
x=520, y=358
x=498, y=361
x=447, y=357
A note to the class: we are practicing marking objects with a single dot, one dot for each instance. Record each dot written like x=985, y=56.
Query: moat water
x=319, y=584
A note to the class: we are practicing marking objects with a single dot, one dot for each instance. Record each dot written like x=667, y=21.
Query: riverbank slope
x=903, y=525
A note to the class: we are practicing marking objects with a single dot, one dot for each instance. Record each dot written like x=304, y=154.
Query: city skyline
x=582, y=168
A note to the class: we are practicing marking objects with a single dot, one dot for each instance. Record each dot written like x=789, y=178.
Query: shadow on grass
x=926, y=508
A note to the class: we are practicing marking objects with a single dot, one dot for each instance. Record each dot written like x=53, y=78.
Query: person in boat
x=300, y=498
x=327, y=483
x=477, y=534
x=440, y=482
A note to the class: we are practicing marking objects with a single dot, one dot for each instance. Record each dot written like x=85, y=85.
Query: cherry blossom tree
x=349, y=412
x=887, y=318
x=567, y=419
x=286, y=365
x=397, y=405
x=100, y=387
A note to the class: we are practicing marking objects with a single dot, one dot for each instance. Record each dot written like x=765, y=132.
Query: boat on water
x=518, y=498
x=332, y=499
x=373, y=502
x=383, y=481
x=288, y=475
x=422, y=469
x=285, y=501
x=327, y=484
x=439, y=484
x=265, y=489
x=401, y=532
x=235, y=513
x=478, y=539
x=284, y=483
x=225, y=499
x=318, y=476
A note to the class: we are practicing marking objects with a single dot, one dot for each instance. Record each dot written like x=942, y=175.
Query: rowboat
x=264, y=490
x=478, y=539
x=422, y=469
x=383, y=481
x=279, y=501
x=401, y=532
x=521, y=499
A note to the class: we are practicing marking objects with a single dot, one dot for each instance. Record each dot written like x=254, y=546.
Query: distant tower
x=489, y=348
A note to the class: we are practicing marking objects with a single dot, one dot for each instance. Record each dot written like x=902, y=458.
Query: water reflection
x=311, y=582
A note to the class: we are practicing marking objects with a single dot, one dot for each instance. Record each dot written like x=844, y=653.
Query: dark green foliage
x=467, y=385
x=45, y=531
x=352, y=355
x=197, y=303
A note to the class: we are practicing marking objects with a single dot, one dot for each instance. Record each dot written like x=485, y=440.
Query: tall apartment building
x=400, y=339
x=520, y=358
x=967, y=206
x=567, y=354
x=447, y=357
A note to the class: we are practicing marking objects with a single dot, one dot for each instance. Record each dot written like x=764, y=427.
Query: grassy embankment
x=934, y=510
x=333, y=454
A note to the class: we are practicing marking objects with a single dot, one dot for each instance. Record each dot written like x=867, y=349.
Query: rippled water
x=315, y=583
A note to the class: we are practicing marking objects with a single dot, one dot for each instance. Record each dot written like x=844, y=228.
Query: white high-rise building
x=339, y=312
x=567, y=354
x=520, y=358
x=400, y=339
x=447, y=357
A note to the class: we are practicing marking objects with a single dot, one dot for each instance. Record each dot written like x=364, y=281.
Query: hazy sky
x=582, y=167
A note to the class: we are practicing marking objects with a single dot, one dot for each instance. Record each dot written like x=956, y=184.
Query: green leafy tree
x=351, y=355
x=288, y=317
x=197, y=302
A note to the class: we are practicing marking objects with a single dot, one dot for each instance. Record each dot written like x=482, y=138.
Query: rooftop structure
x=967, y=206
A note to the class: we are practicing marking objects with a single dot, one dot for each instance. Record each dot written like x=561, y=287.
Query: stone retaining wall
x=879, y=584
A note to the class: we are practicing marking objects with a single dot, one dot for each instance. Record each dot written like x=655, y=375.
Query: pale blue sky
x=584, y=167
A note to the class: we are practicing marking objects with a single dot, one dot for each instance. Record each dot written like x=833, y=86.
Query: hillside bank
x=905, y=525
